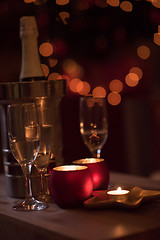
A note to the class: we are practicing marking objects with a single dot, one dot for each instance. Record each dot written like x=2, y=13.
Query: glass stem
x=43, y=181
x=96, y=153
x=27, y=174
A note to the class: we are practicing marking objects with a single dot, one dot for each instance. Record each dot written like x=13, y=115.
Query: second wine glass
x=46, y=151
x=93, y=123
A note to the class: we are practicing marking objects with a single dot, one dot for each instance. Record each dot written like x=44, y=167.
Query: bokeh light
x=132, y=79
x=143, y=52
x=54, y=76
x=126, y=6
x=115, y=85
x=62, y=2
x=137, y=70
x=29, y=1
x=156, y=3
x=74, y=85
x=157, y=38
x=52, y=62
x=90, y=101
x=64, y=16
x=99, y=92
x=83, y=88
x=114, y=98
x=45, y=69
x=46, y=49
x=151, y=1
x=113, y=3
x=72, y=68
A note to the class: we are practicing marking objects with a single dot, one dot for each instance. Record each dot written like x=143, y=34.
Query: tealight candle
x=70, y=185
x=99, y=171
x=118, y=194
x=119, y=191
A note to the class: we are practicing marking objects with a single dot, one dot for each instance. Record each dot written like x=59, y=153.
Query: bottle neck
x=31, y=66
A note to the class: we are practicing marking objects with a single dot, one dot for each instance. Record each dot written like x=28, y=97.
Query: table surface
x=56, y=223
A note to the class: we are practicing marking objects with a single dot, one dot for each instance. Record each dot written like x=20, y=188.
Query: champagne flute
x=23, y=132
x=45, y=153
x=93, y=123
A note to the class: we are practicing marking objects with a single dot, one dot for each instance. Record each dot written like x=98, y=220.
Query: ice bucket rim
x=32, y=90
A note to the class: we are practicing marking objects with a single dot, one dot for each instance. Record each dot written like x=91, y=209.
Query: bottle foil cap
x=28, y=26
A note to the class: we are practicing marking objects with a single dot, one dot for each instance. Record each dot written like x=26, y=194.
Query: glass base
x=30, y=205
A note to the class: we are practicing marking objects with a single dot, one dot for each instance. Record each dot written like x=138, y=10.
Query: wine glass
x=93, y=123
x=23, y=132
x=46, y=151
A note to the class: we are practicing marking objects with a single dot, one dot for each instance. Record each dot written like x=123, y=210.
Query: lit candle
x=118, y=191
x=70, y=185
x=118, y=194
x=99, y=171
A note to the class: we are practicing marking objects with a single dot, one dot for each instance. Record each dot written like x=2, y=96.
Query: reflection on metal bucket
x=45, y=93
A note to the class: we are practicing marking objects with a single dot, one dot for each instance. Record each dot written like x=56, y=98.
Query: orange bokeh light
x=54, y=76
x=132, y=79
x=62, y=2
x=52, y=62
x=74, y=85
x=143, y=52
x=64, y=16
x=115, y=85
x=99, y=92
x=137, y=71
x=72, y=68
x=156, y=3
x=114, y=98
x=113, y=3
x=46, y=49
x=126, y=6
x=29, y=1
x=157, y=38
x=45, y=69
x=84, y=88
x=159, y=29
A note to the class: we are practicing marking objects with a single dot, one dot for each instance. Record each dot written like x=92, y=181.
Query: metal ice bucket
x=48, y=93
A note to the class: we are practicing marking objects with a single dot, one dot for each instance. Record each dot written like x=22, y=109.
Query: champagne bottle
x=31, y=67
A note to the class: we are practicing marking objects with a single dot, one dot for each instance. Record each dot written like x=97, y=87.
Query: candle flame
x=69, y=168
x=119, y=189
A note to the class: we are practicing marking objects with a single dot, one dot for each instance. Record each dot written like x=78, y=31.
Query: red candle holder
x=99, y=171
x=70, y=185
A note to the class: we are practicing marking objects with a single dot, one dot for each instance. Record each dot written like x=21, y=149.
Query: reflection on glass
x=93, y=123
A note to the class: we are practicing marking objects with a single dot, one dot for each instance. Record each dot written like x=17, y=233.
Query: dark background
x=104, y=42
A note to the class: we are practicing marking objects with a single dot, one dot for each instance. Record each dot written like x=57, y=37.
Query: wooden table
x=56, y=223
